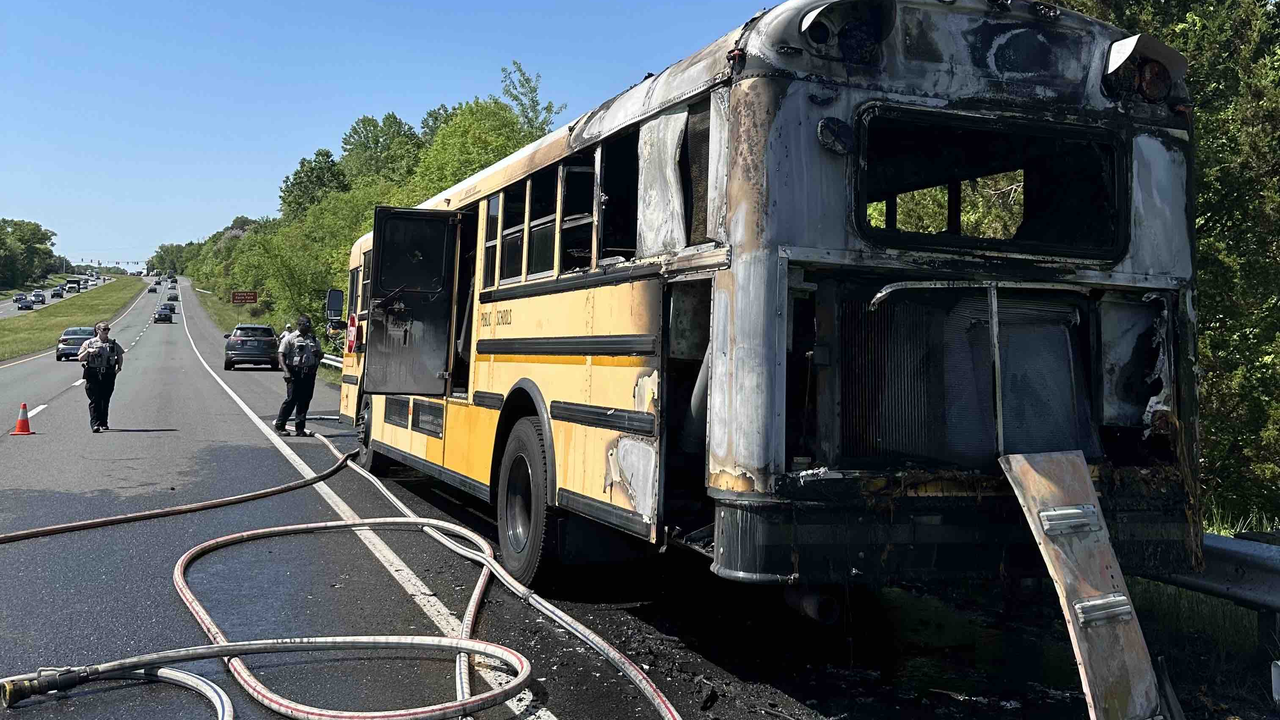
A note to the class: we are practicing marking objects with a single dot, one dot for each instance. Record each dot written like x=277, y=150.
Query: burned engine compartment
x=899, y=407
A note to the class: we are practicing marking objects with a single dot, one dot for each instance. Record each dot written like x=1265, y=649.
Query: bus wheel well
x=517, y=405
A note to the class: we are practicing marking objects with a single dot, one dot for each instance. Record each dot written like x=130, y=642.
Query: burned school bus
x=790, y=301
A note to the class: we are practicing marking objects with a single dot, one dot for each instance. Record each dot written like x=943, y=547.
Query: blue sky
x=124, y=125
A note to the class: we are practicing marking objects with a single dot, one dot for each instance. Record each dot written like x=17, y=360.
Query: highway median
x=39, y=330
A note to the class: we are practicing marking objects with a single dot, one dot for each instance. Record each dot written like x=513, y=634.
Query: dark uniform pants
x=299, y=388
x=99, y=386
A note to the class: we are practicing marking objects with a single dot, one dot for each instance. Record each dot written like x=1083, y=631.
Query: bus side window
x=578, y=180
x=353, y=289
x=490, y=240
x=365, y=280
x=542, y=222
x=620, y=185
x=513, y=218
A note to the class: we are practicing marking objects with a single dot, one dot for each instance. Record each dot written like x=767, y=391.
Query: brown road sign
x=244, y=297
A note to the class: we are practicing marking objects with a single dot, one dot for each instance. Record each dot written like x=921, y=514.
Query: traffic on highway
x=22, y=302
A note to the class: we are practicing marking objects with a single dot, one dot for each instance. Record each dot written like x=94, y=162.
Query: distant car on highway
x=26, y=304
x=19, y=296
x=172, y=296
x=169, y=306
x=37, y=297
x=163, y=316
x=70, y=341
x=56, y=293
x=173, y=286
x=153, y=289
x=158, y=281
x=250, y=345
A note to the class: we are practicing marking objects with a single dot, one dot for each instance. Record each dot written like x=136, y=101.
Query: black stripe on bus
x=456, y=479
x=350, y=379
x=396, y=412
x=627, y=421
x=490, y=400
x=594, y=278
x=625, y=520
x=428, y=418
x=579, y=345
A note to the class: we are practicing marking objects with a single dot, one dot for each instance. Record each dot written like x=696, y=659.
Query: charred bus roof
x=1031, y=56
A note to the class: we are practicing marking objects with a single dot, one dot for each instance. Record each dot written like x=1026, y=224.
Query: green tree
x=478, y=134
x=377, y=151
x=26, y=251
x=315, y=177
x=522, y=91
x=433, y=121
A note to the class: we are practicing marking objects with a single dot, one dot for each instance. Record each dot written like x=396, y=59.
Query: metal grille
x=396, y=412
x=887, y=383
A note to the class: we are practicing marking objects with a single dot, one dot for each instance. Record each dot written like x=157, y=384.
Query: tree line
x=26, y=253
x=1234, y=78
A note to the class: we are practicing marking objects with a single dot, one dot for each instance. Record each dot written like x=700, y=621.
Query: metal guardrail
x=332, y=361
x=1245, y=572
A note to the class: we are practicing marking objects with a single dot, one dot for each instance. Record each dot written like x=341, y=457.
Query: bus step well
x=1061, y=506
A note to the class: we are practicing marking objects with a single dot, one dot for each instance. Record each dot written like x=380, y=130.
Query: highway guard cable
x=16, y=688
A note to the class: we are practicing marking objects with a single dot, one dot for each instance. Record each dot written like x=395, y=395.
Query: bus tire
x=370, y=459
x=524, y=527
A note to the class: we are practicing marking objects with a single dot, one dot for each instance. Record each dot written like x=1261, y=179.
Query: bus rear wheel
x=524, y=527
x=370, y=459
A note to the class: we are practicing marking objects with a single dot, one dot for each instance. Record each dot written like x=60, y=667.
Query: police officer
x=299, y=356
x=288, y=330
x=102, y=358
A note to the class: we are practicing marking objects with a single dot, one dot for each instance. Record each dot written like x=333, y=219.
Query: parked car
x=18, y=297
x=70, y=341
x=37, y=297
x=26, y=304
x=55, y=293
x=172, y=297
x=163, y=316
x=153, y=289
x=250, y=345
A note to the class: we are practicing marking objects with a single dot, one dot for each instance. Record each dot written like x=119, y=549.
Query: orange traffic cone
x=24, y=425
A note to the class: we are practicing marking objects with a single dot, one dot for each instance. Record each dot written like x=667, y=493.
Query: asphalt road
x=8, y=308
x=178, y=435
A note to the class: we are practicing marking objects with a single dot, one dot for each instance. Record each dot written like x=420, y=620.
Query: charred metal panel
x=1159, y=237
x=717, y=170
x=1129, y=351
x=661, y=225
x=748, y=306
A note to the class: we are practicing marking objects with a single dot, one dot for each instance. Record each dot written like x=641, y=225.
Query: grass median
x=40, y=330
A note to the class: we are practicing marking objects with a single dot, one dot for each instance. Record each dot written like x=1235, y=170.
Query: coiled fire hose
x=16, y=688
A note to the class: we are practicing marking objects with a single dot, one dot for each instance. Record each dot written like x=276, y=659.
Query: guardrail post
x=1269, y=633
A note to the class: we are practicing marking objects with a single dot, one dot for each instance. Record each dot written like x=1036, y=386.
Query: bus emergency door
x=411, y=297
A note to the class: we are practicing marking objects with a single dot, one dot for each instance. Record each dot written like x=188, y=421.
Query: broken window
x=620, y=197
x=542, y=221
x=490, y=240
x=513, y=219
x=578, y=182
x=941, y=182
x=695, y=168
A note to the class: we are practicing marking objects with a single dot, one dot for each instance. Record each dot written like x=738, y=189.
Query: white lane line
x=417, y=590
x=38, y=409
x=78, y=382
x=34, y=357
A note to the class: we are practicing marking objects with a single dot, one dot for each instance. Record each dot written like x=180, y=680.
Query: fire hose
x=151, y=666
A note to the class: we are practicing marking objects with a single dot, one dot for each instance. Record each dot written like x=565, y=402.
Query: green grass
x=224, y=314
x=40, y=330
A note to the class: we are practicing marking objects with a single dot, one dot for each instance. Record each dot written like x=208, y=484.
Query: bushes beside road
x=40, y=330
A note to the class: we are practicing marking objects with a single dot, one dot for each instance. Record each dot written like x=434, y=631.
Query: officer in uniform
x=102, y=358
x=300, y=355
x=288, y=330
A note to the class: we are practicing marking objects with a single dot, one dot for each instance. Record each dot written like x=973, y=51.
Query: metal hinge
x=1068, y=519
x=1103, y=609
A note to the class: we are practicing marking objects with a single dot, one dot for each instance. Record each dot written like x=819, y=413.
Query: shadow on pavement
x=144, y=430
